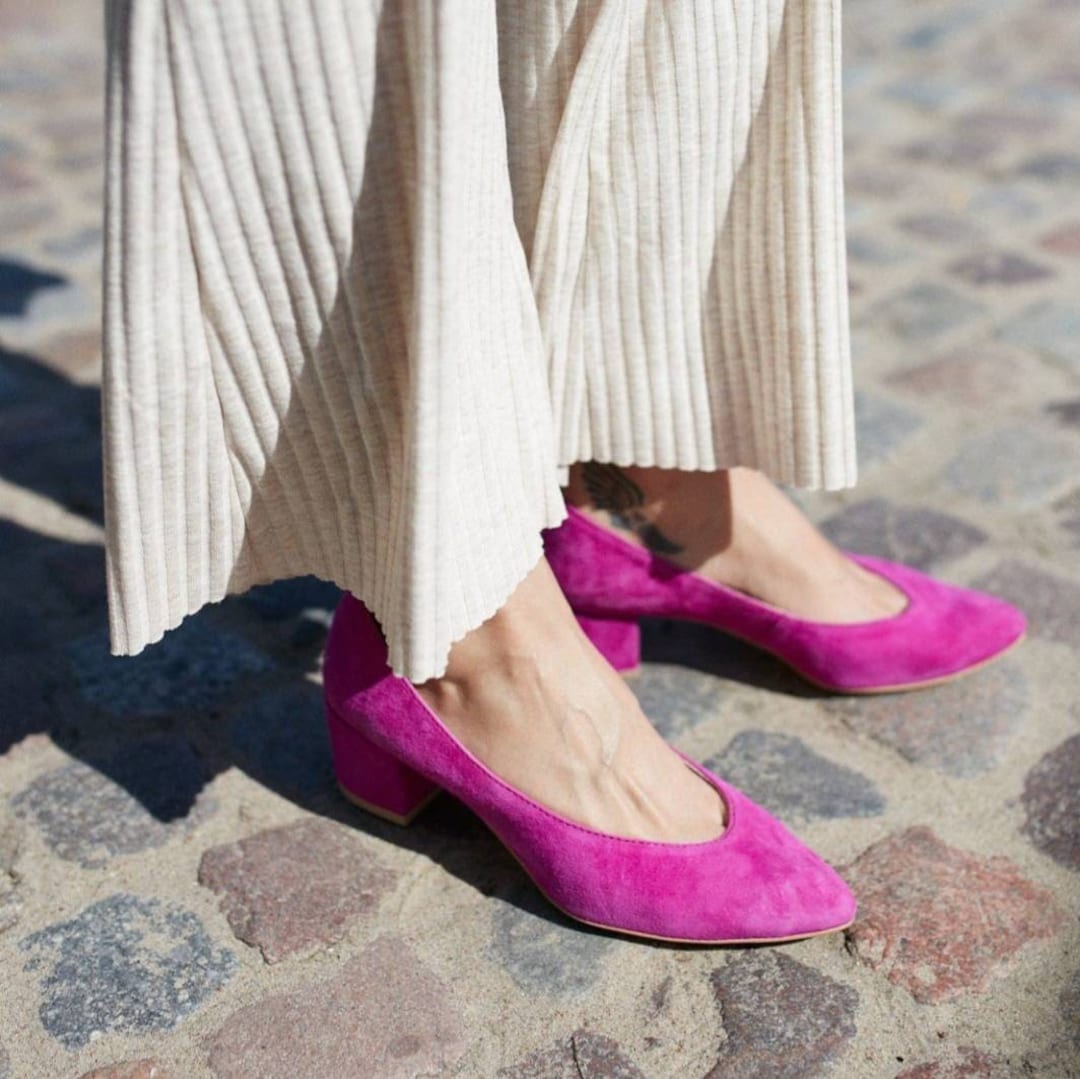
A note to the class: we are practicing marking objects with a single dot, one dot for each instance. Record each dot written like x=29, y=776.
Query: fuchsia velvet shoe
x=943, y=632
x=755, y=883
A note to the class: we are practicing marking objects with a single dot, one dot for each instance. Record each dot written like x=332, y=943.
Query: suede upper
x=754, y=882
x=943, y=630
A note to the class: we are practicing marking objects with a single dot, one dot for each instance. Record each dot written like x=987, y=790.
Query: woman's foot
x=734, y=527
x=529, y=695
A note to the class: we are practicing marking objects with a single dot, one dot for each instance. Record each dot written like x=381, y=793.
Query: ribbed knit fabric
x=376, y=273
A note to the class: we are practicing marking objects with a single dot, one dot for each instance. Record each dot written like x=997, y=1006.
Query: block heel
x=618, y=640
x=373, y=779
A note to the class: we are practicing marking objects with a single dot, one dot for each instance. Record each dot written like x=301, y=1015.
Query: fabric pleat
x=377, y=273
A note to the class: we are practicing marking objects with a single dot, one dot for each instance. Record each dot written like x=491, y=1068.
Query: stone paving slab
x=184, y=892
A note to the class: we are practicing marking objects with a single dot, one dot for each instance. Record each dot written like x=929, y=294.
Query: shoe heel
x=617, y=639
x=373, y=779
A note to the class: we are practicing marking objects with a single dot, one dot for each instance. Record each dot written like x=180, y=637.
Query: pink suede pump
x=943, y=631
x=754, y=883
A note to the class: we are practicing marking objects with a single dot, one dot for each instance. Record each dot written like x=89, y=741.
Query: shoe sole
x=405, y=820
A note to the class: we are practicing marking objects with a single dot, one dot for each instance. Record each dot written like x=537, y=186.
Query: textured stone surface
x=939, y=227
x=882, y=427
x=287, y=889
x=281, y=740
x=125, y=964
x=135, y=800
x=130, y=1069
x=977, y=376
x=917, y=537
x=1064, y=240
x=677, y=698
x=584, y=1055
x=10, y=900
x=1014, y=465
x=961, y=728
x=998, y=268
x=1067, y=413
x=1049, y=601
x=1049, y=327
x=966, y=1062
x=382, y=1013
x=542, y=950
x=1052, y=803
x=1069, y=1002
x=786, y=776
x=939, y=921
x=924, y=311
x=962, y=134
x=194, y=667
x=782, y=1019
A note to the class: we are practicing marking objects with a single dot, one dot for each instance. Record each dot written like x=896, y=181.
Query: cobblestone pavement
x=183, y=892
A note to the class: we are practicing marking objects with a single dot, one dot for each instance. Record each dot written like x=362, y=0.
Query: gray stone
x=1067, y=413
x=1057, y=167
x=1052, y=804
x=875, y=251
x=882, y=427
x=1014, y=465
x=676, y=698
x=135, y=800
x=383, y=1013
x=542, y=950
x=193, y=668
x=941, y=227
x=1069, y=1002
x=962, y=728
x=83, y=243
x=1049, y=601
x=584, y=1055
x=998, y=268
x=783, y=1019
x=921, y=538
x=923, y=311
x=786, y=776
x=5, y=1062
x=1003, y=203
x=285, y=890
x=124, y=964
x=1049, y=327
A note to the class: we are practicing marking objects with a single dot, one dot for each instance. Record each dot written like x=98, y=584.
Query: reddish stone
x=1052, y=804
x=939, y=921
x=287, y=889
x=974, y=376
x=783, y=1019
x=384, y=1013
x=1064, y=240
x=584, y=1055
x=129, y=1069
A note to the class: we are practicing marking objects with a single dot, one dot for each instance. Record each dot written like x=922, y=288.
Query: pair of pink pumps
x=754, y=883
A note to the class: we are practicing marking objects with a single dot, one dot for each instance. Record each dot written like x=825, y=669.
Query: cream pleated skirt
x=377, y=273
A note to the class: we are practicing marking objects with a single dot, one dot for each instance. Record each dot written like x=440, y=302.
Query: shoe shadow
x=712, y=652
x=235, y=687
